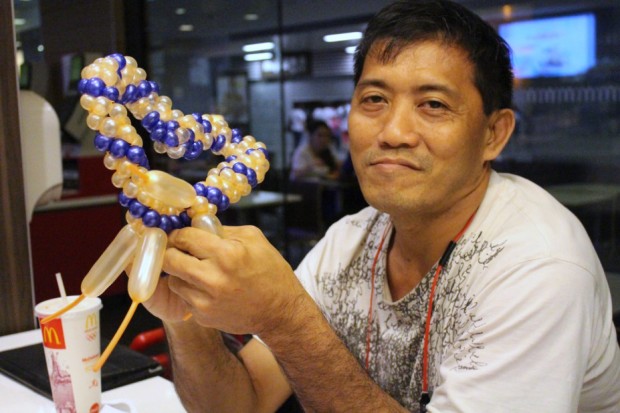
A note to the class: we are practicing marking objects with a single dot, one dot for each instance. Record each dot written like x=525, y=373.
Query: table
x=338, y=197
x=263, y=199
x=583, y=194
x=256, y=199
x=155, y=394
x=588, y=194
x=246, y=210
x=613, y=279
x=75, y=203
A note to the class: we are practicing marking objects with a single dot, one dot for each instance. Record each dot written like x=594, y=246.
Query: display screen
x=552, y=47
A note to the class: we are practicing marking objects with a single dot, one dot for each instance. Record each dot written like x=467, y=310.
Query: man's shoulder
x=342, y=243
x=363, y=219
x=345, y=237
x=513, y=202
x=532, y=224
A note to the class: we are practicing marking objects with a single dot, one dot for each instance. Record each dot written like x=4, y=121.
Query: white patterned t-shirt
x=521, y=318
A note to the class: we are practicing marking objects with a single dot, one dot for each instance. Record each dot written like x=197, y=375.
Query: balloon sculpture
x=157, y=202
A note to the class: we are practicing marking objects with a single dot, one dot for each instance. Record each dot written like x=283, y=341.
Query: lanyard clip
x=425, y=398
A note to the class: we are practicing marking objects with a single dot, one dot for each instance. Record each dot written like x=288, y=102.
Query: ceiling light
x=257, y=56
x=251, y=16
x=341, y=37
x=180, y=11
x=40, y=48
x=19, y=21
x=350, y=49
x=255, y=47
x=186, y=28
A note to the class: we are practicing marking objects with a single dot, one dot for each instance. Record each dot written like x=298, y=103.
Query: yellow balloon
x=169, y=189
x=207, y=222
x=146, y=268
x=111, y=264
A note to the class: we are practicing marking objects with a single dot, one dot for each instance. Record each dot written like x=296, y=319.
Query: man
x=474, y=290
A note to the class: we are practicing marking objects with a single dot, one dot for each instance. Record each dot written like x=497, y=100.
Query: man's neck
x=420, y=241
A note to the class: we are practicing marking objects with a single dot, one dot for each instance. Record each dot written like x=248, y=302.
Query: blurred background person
x=297, y=123
x=316, y=156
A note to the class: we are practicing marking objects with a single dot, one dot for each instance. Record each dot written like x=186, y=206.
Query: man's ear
x=501, y=126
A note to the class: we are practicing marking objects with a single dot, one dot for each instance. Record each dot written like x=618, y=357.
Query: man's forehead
x=385, y=51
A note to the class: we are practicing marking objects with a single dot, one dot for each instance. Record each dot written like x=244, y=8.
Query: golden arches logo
x=53, y=335
x=91, y=322
x=50, y=336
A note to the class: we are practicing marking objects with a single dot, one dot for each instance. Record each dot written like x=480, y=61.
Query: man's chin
x=388, y=202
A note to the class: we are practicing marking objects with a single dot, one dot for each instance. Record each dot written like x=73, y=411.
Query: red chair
x=144, y=342
x=151, y=341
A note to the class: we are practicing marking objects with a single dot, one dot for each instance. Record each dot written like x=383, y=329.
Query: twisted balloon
x=156, y=201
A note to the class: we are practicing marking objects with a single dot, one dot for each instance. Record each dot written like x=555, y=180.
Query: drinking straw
x=61, y=287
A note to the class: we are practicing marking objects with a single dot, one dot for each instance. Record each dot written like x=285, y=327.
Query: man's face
x=418, y=130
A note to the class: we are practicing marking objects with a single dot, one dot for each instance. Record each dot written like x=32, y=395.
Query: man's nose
x=400, y=128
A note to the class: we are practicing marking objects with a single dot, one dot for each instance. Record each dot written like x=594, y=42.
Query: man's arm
x=241, y=284
x=323, y=373
x=208, y=377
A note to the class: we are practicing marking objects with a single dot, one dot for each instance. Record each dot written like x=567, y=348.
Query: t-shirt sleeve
x=333, y=252
x=308, y=269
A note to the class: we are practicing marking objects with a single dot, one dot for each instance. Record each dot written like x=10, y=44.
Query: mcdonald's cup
x=72, y=346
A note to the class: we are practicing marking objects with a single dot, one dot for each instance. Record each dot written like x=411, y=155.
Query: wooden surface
x=16, y=301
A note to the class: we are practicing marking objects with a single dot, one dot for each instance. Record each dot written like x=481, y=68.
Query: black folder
x=124, y=366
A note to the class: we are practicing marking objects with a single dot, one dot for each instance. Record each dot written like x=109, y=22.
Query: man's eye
x=435, y=104
x=373, y=99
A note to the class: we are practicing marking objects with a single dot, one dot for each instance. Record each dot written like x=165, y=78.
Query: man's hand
x=238, y=283
x=165, y=304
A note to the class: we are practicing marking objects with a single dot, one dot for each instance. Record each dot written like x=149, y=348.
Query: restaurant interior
x=260, y=63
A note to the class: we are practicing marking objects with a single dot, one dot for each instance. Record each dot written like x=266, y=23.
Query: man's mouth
x=394, y=163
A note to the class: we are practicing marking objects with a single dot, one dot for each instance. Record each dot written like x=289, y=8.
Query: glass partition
x=267, y=67
x=567, y=97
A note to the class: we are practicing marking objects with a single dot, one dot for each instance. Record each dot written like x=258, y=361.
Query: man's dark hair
x=407, y=22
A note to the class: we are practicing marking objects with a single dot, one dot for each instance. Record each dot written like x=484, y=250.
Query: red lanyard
x=443, y=261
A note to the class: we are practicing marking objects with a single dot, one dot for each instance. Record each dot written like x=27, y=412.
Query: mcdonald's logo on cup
x=53, y=334
x=91, y=327
x=91, y=322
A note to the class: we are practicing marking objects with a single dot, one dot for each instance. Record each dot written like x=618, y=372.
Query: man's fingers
x=164, y=303
x=194, y=241
x=185, y=266
x=186, y=291
x=178, y=263
x=242, y=233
